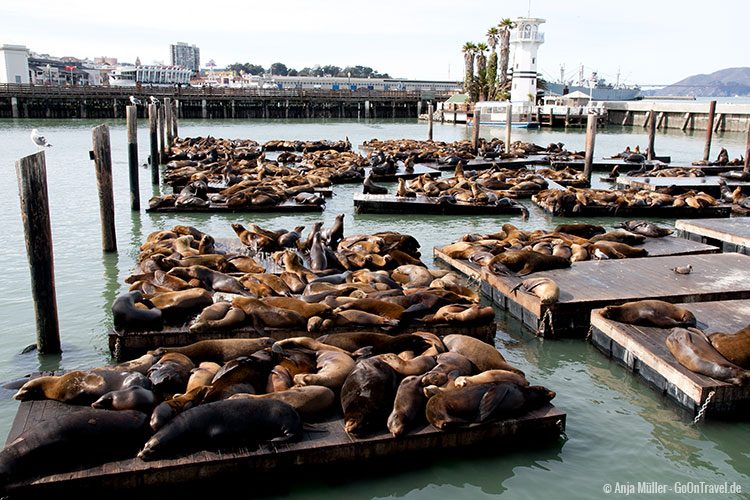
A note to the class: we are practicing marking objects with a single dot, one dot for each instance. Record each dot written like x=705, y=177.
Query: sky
x=649, y=42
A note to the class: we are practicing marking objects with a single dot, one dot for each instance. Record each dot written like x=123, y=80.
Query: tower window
x=533, y=60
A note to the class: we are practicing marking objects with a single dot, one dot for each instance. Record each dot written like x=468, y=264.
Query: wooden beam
x=153, y=119
x=102, y=156
x=651, y=135
x=625, y=118
x=591, y=120
x=685, y=122
x=131, y=114
x=709, y=130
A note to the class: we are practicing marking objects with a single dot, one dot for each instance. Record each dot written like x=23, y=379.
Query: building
x=187, y=56
x=129, y=76
x=14, y=64
x=47, y=70
x=525, y=40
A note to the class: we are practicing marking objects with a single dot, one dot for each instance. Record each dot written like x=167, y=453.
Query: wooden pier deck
x=730, y=235
x=644, y=351
x=286, y=207
x=605, y=164
x=709, y=185
x=126, y=345
x=391, y=204
x=592, y=285
x=723, y=210
x=332, y=445
x=401, y=173
x=656, y=247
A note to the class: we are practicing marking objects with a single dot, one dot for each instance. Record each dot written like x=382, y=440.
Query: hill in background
x=723, y=83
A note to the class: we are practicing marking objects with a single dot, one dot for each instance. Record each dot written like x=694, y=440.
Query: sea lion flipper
x=491, y=401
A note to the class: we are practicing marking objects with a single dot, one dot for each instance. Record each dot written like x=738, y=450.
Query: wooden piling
x=31, y=172
x=746, y=167
x=475, y=131
x=168, y=123
x=591, y=120
x=429, y=121
x=102, y=156
x=508, y=126
x=131, y=116
x=153, y=118
x=175, y=116
x=162, y=137
x=651, y=135
x=625, y=118
x=709, y=130
x=686, y=120
x=567, y=115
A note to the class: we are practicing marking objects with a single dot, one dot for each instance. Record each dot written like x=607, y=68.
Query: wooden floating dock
x=724, y=210
x=126, y=345
x=401, y=173
x=656, y=247
x=604, y=164
x=287, y=206
x=332, y=445
x=730, y=235
x=391, y=204
x=643, y=350
x=594, y=284
x=709, y=185
x=481, y=164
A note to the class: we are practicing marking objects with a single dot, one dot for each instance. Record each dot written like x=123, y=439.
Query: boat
x=495, y=113
x=600, y=92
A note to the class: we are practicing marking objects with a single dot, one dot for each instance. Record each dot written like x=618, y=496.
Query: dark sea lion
x=544, y=288
x=335, y=234
x=132, y=398
x=650, y=313
x=408, y=406
x=310, y=401
x=332, y=370
x=733, y=346
x=694, y=351
x=367, y=396
x=318, y=260
x=449, y=366
x=492, y=377
x=127, y=316
x=218, y=316
x=220, y=350
x=252, y=370
x=645, y=228
x=290, y=239
x=524, y=262
x=620, y=236
x=484, y=356
x=74, y=387
x=224, y=424
x=484, y=403
x=308, y=242
x=213, y=281
x=415, y=366
x=202, y=375
x=170, y=374
x=369, y=186
x=166, y=411
x=379, y=343
x=583, y=230
x=70, y=440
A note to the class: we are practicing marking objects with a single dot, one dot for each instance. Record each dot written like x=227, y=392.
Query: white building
x=14, y=64
x=525, y=40
x=128, y=76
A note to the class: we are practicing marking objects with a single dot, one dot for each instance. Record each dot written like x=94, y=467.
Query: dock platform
x=709, y=185
x=593, y=285
x=401, y=173
x=332, y=445
x=730, y=235
x=126, y=345
x=644, y=351
x=287, y=206
x=723, y=210
x=605, y=164
x=391, y=204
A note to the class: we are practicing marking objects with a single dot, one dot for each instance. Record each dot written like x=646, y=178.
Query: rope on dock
x=702, y=411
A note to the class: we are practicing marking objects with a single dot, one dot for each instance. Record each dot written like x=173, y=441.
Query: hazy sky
x=651, y=42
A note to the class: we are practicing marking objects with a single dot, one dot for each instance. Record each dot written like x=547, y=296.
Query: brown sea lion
x=484, y=403
x=544, y=288
x=458, y=313
x=202, y=375
x=359, y=318
x=733, y=346
x=694, y=351
x=379, y=342
x=616, y=250
x=307, y=310
x=307, y=343
x=279, y=379
x=332, y=370
x=620, y=236
x=170, y=374
x=378, y=307
x=219, y=316
x=412, y=276
x=369, y=186
x=132, y=398
x=211, y=280
x=449, y=366
x=310, y=401
x=367, y=396
x=219, y=350
x=74, y=387
x=177, y=305
x=266, y=315
x=484, y=356
x=224, y=424
x=408, y=406
x=249, y=372
x=415, y=366
x=246, y=264
x=650, y=313
x=492, y=377
x=524, y=262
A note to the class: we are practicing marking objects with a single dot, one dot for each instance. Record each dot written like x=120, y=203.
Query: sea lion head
x=688, y=318
x=537, y=396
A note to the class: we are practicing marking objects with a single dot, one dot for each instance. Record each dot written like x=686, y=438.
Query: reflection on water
x=618, y=428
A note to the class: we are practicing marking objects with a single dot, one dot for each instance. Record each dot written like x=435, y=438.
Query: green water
x=619, y=430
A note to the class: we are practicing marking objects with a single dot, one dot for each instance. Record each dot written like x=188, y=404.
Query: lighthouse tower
x=525, y=40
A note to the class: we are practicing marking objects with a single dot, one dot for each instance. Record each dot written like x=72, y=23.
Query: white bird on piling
x=154, y=100
x=135, y=101
x=39, y=140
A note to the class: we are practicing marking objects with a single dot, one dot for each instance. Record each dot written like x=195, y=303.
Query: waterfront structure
x=46, y=70
x=14, y=64
x=525, y=40
x=187, y=56
x=129, y=76
x=352, y=84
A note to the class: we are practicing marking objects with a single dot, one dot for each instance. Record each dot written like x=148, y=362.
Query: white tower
x=525, y=40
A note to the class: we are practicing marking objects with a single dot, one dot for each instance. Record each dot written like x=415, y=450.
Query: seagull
x=683, y=269
x=39, y=140
x=134, y=100
x=154, y=100
x=600, y=255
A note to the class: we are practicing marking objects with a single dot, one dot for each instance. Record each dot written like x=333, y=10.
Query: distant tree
x=255, y=69
x=278, y=68
x=505, y=26
x=330, y=70
x=252, y=69
x=468, y=50
x=492, y=37
x=292, y=72
x=481, y=71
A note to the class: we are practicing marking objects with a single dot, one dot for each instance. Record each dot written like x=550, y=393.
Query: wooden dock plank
x=287, y=206
x=592, y=285
x=643, y=349
x=731, y=235
x=318, y=448
x=391, y=204
x=401, y=173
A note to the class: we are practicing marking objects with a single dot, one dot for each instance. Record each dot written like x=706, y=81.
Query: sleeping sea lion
x=733, y=346
x=367, y=396
x=524, y=262
x=650, y=313
x=544, y=288
x=408, y=405
x=310, y=401
x=132, y=398
x=484, y=356
x=694, y=351
x=332, y=370
x=219, y=350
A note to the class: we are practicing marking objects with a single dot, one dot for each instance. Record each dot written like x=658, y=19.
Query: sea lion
x=166, y=411
x=219, y=350
x=492, y=377
x=484, y=356
x=367, y=396
x=177, y=305
x=132, y=398
x=332, y=370
x=279, y=379
x=408, y=405
x=66, y=440
x=378, y=342
x=224, y=424
x=264, y=315
x=483, y=403
x=544, y=288
x=694, y=351
x=308, y=241
x=127, y=316
x=246, y=264
x=617, y=250
x=170, y=374
x=310, y=401
x=137, y=365
x=318, y=259
x=644, y=228
x=213, y=281
x=620, y=236
x=373, y=306
x=369, y=186
x=335, y=234
x=733, y=346
x=359, y=318
x=650, y=313
x=460, y=313
x=202, y=375
x=415, y=366
x=524, y=262
x=251, y=372
x=583, y=230
x=449, y=366
x=412, y=276
x=402, y=192
x=75, y=387
x=219, y=316
x=307, y=310
x=290, y=239
x=307, y=343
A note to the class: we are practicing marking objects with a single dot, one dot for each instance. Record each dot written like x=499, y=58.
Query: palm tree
x=482, y=70
x=468, y=50
x=492, y=36
x=505, y=26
